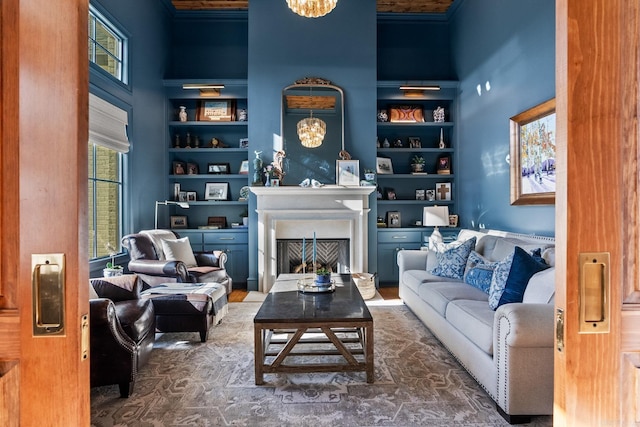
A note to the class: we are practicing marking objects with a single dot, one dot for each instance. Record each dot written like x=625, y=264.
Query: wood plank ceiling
x=393, y=6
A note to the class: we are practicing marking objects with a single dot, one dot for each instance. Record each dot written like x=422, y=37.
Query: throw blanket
x=197, y=294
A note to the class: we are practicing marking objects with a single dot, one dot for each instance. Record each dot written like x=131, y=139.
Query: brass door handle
x=594, y=313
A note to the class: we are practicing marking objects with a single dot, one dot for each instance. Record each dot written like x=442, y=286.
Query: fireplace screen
x=332, y=254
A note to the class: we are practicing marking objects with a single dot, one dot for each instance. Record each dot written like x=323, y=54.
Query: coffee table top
x=286, y=304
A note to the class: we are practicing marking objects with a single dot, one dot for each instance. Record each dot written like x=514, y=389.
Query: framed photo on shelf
x=244, y=167
x=444, y=165
x=443, y=191
x=218, y=168
x=216, y=191
x=176, y=191
x=182, y=196
x=420, y=195
x=383, y=165
x=275, y=182
x=453, y=220
x=192, y=169
x=533, y=177
x=389, y=194
x=179, y=168
x=217, y=111
x=430, y=195
x=192, y=196
x=414, y=142
x=217, y=221
x=348, y=173
x=244, y=143
x=178, y=221
x=393, y=219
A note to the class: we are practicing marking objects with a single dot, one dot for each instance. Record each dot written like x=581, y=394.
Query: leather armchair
x=122, y=331
x=147, y=259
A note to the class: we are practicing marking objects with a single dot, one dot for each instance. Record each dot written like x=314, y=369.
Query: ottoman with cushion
x=187, y=307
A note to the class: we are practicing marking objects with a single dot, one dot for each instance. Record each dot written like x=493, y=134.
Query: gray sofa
x=508, y=351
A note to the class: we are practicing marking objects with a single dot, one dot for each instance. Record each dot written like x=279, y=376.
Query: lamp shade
x=435, y=216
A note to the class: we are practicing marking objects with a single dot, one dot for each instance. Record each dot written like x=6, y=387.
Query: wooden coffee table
x=291, y=326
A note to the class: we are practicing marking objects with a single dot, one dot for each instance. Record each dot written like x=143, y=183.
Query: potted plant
x=323, y=275
x=111, y=269
x=417, y=163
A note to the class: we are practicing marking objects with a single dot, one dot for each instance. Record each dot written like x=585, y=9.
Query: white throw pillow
x=179, y=250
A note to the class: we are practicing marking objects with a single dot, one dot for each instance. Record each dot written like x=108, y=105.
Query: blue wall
x=511, y=46
x=340, y=47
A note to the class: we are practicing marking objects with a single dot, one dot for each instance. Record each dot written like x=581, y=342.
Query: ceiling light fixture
x=311, y=131
x=312, y=8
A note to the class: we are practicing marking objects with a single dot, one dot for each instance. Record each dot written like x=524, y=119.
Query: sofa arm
x=411, y=259
x=151, y=267
x=211, y=259
x=523, y=351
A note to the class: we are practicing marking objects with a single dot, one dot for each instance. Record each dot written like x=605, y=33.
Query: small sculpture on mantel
x=257, y=169
x=312, y=81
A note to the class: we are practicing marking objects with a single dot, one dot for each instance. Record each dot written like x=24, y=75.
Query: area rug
x=188, y=383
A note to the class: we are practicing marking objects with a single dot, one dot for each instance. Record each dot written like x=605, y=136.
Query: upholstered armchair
x=160, y=256
x=122, y=331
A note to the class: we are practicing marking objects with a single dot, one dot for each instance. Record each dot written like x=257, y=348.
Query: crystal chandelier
x=311, y=131
x=311, y=8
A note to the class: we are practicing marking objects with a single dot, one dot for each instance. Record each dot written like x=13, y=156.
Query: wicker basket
x=365, y=284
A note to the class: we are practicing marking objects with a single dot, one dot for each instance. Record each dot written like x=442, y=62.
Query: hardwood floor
x=238, y=295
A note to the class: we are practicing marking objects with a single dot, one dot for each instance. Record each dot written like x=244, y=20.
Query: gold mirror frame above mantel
x=318, y=98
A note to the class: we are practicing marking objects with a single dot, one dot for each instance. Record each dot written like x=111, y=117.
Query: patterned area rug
x=188, y=383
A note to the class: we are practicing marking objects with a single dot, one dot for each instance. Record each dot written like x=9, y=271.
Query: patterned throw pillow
x=511, y=276
x=479, y=271
x=451, y=263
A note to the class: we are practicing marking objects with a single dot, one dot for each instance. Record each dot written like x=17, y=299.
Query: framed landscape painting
x=533, y=155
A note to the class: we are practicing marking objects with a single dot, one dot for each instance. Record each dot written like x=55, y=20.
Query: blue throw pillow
x=480, y=277
x=511, y=277
x=451, y=263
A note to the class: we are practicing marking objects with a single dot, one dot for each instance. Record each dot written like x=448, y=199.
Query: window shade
x=107, y=125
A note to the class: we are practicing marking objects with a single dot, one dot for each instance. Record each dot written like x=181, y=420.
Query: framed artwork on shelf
x=383, y=166
x=218, y=168
x=444, y=165
x=244, y=167
x=192, y=196
x=178, y=221
x=216, y=191
x=420, y=195
x=176, y=191
x=275, y=182
x=406, y=114
x=217, y=221
x=443, y=191
x=430, y=195
x=453, y=220
x=182, y=196
x=348, y=173
x=217, y=111
x=192, y=169
x=393, y=219
x=390, y=194
x=179, y=168
x=414, y=142
x=244, y=143
x=533, y=155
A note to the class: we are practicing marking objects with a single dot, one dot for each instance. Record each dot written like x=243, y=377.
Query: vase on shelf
x=267, y=182
x=182, y=115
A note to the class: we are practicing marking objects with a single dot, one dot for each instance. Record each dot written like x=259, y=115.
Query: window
x=107, y=46
x=108, y=144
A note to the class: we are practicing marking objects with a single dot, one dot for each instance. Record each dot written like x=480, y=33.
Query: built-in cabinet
x=207, y=167
x=401, y=192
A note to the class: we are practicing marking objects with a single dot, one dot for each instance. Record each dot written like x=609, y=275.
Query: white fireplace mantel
x=330, y=211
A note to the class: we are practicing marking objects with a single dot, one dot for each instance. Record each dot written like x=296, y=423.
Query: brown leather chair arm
x=150, y=267
x=211, y=259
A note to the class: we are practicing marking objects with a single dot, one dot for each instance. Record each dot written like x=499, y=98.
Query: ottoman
x=188, y=307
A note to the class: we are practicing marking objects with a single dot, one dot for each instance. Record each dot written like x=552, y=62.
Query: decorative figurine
x=188, y=140
x=257, y=168
x=176, y=143
x=182, y=115
x=438, y=115
x=382, y=116
x=441, y=145
x=386, y=143
x=242, y=115
x=196, y=143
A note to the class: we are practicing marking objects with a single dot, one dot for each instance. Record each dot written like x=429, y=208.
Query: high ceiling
x=393, y=6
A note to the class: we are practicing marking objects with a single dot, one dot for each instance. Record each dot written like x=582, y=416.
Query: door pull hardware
x=560, y=329
x=594, y=302
x=84, y=324
x=48, y=294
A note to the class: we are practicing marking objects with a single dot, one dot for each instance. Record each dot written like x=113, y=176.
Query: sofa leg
x=203, y=335
x=513, y=419
x=126, y=389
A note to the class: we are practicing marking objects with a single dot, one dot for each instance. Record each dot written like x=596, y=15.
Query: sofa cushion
x=511, y=276
x=439, y=294
x=117, y=288
x=474, y=319
x=179, y=250
x=451, y=263
x=541, y=287
x=414, y=278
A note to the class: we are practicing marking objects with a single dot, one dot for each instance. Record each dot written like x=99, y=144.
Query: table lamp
x=435, y=216
x=183, y=205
